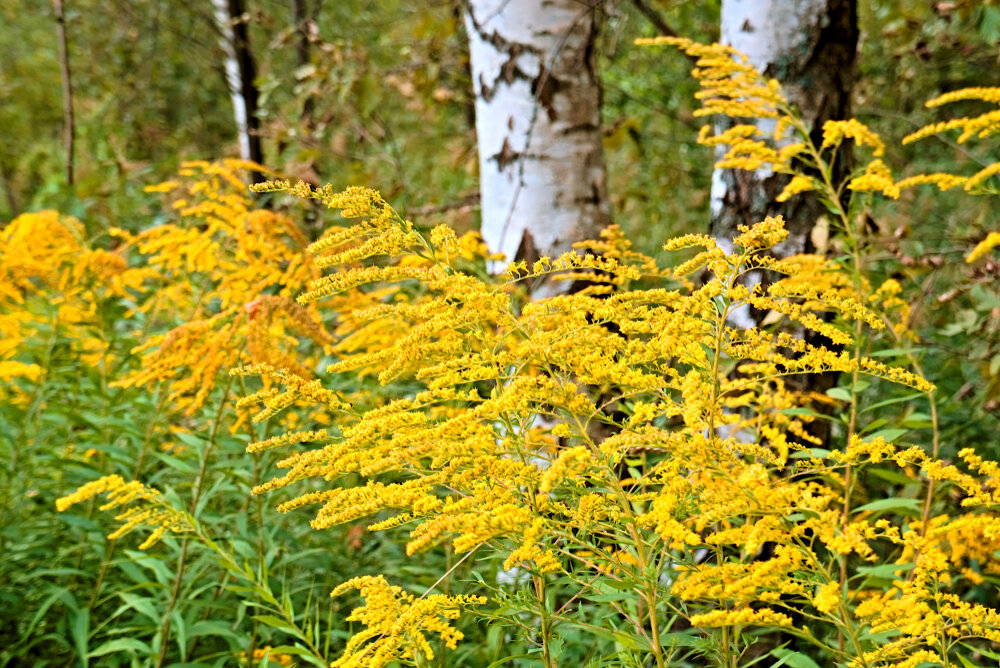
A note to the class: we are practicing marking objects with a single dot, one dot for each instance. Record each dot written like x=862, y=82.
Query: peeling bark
x=810, y=46
x=541, y=159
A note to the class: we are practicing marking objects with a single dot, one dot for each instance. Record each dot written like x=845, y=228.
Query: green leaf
x=60, y=594
x=889, y=435
x=995, y=364
x=818, y=453
x=175, y=463
x=793, y=659
x=187, y=438
x=556, y=648
x=894, y=400
x=508, y=659
x=180, y=631
x=982, y=650
x=121, y=645
x=917, y=420
x=884, y=571
x=874, y=425
x=279, y=623
x=208, y=627
x=890, y=504
x=889, y=474
x=803, y=411
x=839, y=393
x=679, y=640
x=965, y=662
x=79, y=628
x=140, y=604
x=989, y=25
x=896, y=352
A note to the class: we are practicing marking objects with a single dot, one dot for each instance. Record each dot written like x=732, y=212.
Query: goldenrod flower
x=397, y=623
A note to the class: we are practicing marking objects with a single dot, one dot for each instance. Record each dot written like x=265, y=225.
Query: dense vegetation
x=219, y=404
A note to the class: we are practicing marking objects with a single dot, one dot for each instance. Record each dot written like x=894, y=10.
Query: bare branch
x=69, y=123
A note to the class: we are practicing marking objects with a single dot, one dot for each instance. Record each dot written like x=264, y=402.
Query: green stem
x=543, y=612
x=195, y=497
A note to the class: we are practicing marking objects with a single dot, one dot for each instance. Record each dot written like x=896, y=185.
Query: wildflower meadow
x=273, y=422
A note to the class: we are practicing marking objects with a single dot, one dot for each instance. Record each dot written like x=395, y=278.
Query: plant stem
x=543, y=612
x=195, y=496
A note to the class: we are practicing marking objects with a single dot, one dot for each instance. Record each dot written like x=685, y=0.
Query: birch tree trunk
x=810, y=47
x=241, y=72
x=538, y=122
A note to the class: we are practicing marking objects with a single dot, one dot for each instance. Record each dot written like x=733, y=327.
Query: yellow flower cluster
x=991, y=241
x=397, y=623
x=798, y=184
x=741, y=617
x=730, y=85
x=941, y=180
x=520, y=415
x=834, y=132
x=625, y=431
x=148, y=510
x=984, y=125
x=877, y=177
x=52, y=278
x=519, y=419
x=13, y=369
x=981, y=126
x=232, y=271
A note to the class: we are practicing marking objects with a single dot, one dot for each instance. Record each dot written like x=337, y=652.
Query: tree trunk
x=303, y=25
x=241, y=72
x=810, y=47
x=538, y=122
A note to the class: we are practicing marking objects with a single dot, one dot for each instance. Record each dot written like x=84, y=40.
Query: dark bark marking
x=485, y=91
x=527, y=250
x=545, y=87
x=506, y=156
x=580, y=128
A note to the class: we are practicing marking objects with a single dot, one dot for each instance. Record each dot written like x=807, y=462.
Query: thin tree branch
x=658, y=22
x=8, y=187
x=69, y=123
x=655, y=18
x=470, y=199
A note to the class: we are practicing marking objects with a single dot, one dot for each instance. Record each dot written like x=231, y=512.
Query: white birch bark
x=541, y=161
x=233, y=78
x=810, y=46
